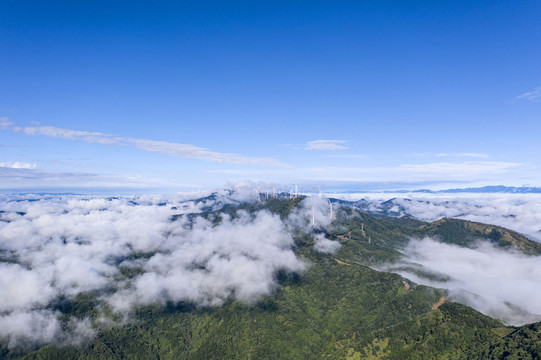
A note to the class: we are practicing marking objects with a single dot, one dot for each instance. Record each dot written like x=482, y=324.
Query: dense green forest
x=339, y=308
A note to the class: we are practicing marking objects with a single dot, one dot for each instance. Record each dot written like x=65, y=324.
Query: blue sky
x=349, y=94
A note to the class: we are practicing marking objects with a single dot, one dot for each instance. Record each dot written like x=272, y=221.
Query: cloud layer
x=184, y=150
x=534, y=95
x=503, y=284
x=519, y=212
x=468, y=168
x=62, y=246
x=326, y=145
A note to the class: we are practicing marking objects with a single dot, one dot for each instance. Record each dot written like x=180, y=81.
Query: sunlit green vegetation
x=340, y=308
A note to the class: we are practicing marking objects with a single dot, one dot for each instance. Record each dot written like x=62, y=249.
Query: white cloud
x=518, y=212
x=68, y=134
x=313, y=212
x=466, y=154
x=194, y=152
x=39, y=180
x=470, y=168
x=66, y=245
x=326, y=145
x=500, y=283
x=71, y=244
x=521, y=213
x=324, y=245
x=37, y=326
x=176, y=149
x=348, y=156
x=534, y=96
x=18, y=165
x=5, y=123
x=23, y=288
x=452, y=174
x=211, y=264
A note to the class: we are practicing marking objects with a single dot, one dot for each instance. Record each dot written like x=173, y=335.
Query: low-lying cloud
x=312, y=213
x=209, y=264
x=18, y=165
x=324, y=245
x=500, y=283
x=60, y=246
x=55, y=247
x=519, y=212
x=534, y=95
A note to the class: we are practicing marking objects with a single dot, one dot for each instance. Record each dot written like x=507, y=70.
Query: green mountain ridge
x=339, y=308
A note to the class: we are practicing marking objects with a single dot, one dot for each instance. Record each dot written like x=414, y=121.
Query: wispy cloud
x=465, y=154
x=468, y=168
x=534, y=95
x=5, y=123
x=326, y=145
x=28, y=177
x=348, y=156
x=18, y=165
x=177, y=149
x=423, y=174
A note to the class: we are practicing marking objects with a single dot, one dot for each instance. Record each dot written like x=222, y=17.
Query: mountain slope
x=339, y=308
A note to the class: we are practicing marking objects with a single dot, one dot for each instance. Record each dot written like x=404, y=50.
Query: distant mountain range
x=480, y=190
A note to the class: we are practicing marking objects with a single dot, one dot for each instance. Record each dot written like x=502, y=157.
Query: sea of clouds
x=60, y=246
x=519, y=212
x=504, y=284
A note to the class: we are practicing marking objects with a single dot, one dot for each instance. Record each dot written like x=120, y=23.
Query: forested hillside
x=340, y=307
